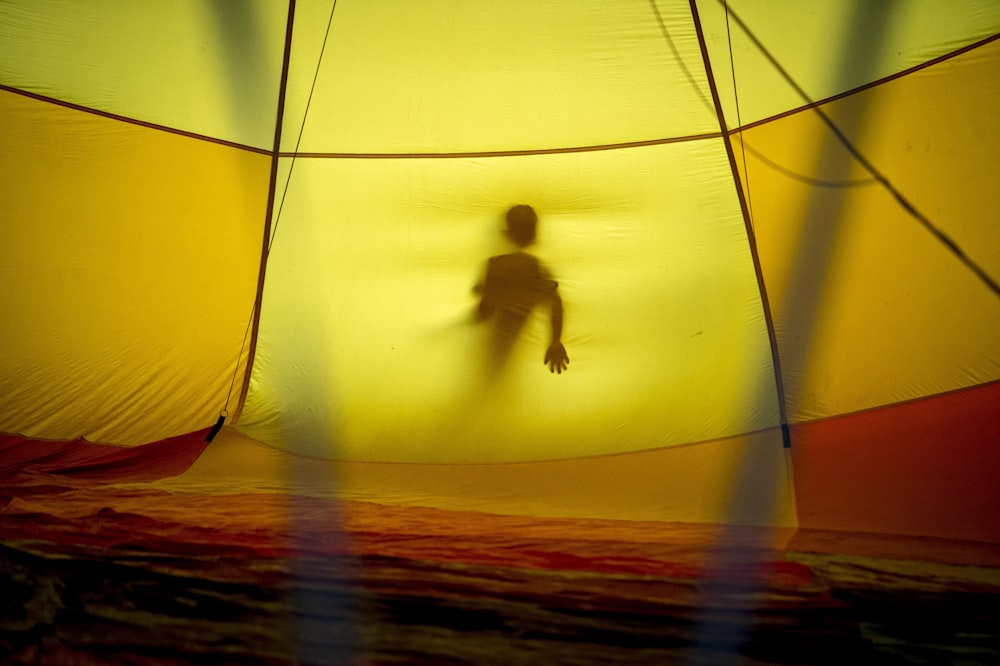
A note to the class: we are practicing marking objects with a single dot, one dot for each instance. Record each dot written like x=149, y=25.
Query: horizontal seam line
x=615, y=454
x=357, y=155
x=871, y=84
x=133, y=121
x=900, y=403
x=504, y=153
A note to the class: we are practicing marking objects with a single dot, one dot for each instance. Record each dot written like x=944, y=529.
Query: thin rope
x=739, y=118
x=302, y=127
x=802, y=178
x=277, y=217
x=239, y=357
x=517, y=152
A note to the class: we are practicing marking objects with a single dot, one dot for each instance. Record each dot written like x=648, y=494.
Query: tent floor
x=94, y=570
x=409, y=596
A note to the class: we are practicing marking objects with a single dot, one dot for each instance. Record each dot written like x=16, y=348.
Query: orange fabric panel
x=129, y=260
x=869, y=307
x=929, y=467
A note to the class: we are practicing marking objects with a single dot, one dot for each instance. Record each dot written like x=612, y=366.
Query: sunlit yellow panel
x=368, y=348
x=870, y=307
x=211, y=68
x=447, y=76
x=831, y=46
x=129, y=262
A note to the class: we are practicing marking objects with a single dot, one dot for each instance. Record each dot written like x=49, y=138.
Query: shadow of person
x=514, y=285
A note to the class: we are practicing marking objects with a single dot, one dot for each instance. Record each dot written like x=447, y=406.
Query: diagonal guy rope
x=302, y=126
x=877, y=175
x=253, y=318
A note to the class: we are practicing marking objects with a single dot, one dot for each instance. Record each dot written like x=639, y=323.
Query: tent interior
x=576, y=332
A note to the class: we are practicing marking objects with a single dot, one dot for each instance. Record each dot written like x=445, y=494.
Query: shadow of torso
x=515, y=284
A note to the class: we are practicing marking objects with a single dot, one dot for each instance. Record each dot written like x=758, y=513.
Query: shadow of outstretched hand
x=556, y=357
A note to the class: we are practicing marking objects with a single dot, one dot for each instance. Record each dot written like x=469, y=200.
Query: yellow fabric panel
x=742, y=480
x=447, y=76
x=368, y=349
x=129, y=263
x=830, y=46
x=944, y=152
x=871, y=308
x=211, y=68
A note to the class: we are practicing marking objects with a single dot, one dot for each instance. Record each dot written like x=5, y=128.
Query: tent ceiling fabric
x=717, y=288
x=473, y=77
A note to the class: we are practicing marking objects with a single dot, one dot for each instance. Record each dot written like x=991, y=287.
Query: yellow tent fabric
x=762, y=218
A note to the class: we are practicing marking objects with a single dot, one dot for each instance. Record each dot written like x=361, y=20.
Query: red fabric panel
x=101, y=462
x=929, y=467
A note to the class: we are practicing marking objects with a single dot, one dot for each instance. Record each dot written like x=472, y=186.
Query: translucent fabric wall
x=765, y=222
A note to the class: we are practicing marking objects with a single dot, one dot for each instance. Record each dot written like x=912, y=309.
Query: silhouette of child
x=515, y=283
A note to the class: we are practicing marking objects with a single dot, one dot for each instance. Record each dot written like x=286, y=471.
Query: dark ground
x=127, y=606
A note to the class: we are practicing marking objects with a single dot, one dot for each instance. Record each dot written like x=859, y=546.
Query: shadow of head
x=522, y=223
